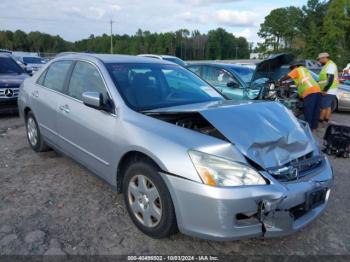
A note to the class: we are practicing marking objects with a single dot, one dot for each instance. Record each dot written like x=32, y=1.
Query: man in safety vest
x=328, y=81
x=308, y=90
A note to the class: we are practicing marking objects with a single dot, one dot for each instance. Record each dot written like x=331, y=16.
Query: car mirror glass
x=232, y=84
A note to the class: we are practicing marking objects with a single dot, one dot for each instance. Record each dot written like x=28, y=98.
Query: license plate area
x=315, y=198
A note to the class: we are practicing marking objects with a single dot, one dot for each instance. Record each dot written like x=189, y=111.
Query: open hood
x=265, y=132
x=269, y=68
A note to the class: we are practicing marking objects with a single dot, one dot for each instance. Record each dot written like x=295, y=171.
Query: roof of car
x=223, y=65
x=108, y=58
x=159, y=56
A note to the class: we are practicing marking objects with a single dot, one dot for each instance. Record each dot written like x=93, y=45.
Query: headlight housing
x=220, y=172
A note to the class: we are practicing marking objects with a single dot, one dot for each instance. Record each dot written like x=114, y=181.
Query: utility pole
x=111, y=22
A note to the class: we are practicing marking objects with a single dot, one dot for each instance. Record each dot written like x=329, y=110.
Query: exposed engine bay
x=191, y=120
x=266, y=80
x=285, y=93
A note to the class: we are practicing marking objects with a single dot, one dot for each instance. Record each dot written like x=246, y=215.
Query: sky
x=78, y=19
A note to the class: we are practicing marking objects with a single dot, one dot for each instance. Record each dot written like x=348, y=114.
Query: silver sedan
x=184, y=157
x=342, y=103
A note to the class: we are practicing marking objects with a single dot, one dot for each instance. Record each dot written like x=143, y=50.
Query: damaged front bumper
x=272, y=210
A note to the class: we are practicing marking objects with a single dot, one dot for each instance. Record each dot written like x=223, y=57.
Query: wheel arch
x=26, y=110
x=131, y=157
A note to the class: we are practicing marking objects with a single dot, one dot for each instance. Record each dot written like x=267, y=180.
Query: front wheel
x=334, y=106
x=148, y=200
x=35, y=139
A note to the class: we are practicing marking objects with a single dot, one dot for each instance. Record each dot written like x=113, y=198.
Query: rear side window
x=56, y=75
x=85, y=77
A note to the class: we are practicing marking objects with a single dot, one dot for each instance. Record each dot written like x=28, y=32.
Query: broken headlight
x=216, y=171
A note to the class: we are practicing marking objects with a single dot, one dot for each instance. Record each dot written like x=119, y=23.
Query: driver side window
x=85, y=77
x=218, y=77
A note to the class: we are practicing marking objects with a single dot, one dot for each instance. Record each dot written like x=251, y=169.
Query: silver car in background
x=169, y=58
x=183, y=156
x=32, y=61
x=342, y=103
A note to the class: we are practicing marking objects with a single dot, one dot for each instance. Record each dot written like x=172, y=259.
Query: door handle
x=64, y=108
x=35, y=93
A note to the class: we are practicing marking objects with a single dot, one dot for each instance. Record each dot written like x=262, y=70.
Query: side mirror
x=93, y=99
x=232, y=84
x=28, y=71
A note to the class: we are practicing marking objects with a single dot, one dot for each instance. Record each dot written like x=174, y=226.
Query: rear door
x=45, y=96
x=87, y=133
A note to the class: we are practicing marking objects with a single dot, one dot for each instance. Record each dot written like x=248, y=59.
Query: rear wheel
x=35, y=139
x=148, y=200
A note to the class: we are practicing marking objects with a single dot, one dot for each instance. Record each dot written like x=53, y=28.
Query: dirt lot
x=49, y=204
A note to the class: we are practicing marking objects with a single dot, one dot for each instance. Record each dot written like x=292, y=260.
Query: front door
x=87, y=133
x=220, y=78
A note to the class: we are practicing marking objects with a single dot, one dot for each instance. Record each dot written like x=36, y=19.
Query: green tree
x=280, y=28
x=314, y=13
x=337, y=31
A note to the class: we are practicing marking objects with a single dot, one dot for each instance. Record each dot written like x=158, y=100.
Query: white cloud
x=235, y=18
x=223, y=17
x=115, y=7
x=208, y=2
x=77, y=19
x=97, y=11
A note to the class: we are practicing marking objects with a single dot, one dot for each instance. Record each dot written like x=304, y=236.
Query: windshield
x=152, y=86
x=245, y=73
x=33, y=60
x=175, y=60
x=9, y=66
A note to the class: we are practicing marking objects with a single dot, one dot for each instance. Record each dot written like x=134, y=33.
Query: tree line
x=216, y=44
x=316, y=27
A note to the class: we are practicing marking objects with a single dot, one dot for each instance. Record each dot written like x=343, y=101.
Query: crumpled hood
x=265, y=132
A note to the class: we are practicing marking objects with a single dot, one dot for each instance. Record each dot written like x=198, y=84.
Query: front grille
x=297, y=168
x=9, y=92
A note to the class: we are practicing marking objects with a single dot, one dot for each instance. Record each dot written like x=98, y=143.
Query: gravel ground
x=51, y=205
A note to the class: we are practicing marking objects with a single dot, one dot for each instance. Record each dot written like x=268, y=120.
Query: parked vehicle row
x=183, y=155
x=32, y=61
x=11, y=77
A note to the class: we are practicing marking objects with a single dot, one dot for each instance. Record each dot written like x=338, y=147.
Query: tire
x=34, y=137
x=148, y=201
